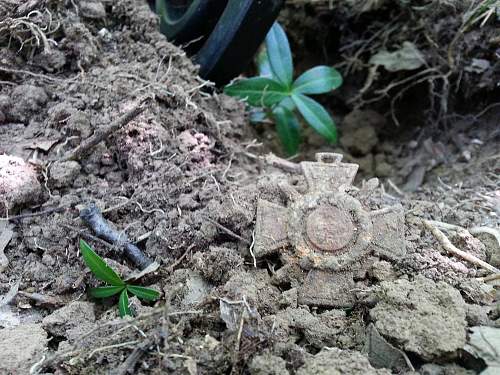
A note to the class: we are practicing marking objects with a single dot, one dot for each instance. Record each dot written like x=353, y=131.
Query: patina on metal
x=328, y=232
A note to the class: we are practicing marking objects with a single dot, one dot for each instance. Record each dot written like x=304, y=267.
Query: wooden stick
x=105, y=131
x=281, y=163
x=448, y=246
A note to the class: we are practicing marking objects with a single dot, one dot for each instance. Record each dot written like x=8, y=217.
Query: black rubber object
x=189, y=22
x=227, y=32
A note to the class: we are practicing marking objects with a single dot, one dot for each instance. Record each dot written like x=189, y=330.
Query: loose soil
x=182, y=180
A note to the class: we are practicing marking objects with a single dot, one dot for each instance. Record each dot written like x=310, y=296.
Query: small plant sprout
x=277, y=97
x=115, y=283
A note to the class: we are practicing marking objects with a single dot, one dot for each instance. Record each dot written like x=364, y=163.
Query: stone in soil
x=194, y=288
x=421, y=317
x=19, y=186
x=21, y=347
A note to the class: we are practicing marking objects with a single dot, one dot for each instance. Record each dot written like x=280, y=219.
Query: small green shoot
x=277, y=97
x=116, y=285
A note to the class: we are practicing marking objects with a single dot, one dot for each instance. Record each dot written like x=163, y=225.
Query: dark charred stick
x=92, y=217
x=105, y=131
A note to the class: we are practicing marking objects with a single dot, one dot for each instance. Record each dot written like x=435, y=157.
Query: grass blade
x=105, y=291
x=123, y=304
x=258, y=91
x=279, y=54
x=318, y=80
x=316, y=116
x=98, y=266
x=288, y=129
x=146, y=294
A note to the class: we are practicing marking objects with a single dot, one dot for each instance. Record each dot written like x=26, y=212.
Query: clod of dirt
x=20, y=347
x=289, y=298
x=24, y=102
x=62, y=174
x=331, y=328
x=92, y=9
x=338, y=362
x=256, y=286
x=267, y=364
x=466, y=242
x=218, y=265
x=360, y=141
x=421, y=317
x=18, y=184
x=382, y=271
x=68, y=317
x=76, y=123
x=492, y=248
x=197, y=145
x=478, y=315
x=207, y=356
x=37, y=271
x=478, y=292
x=51, y=60
x=382, y=168
x=359, y=134
x=80, y=44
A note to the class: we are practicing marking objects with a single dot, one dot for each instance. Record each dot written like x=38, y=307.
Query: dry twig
x=228, y=231
x=137, y=353
x=104, y=132
x=281, y=163
x=448, y=246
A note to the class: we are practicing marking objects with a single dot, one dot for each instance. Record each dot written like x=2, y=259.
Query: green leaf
x=316, y=116
x=105, y=291
x=280, y=56
x=288, y=104
x=258, y=91
x=317, y=80
x=147, y=294
x=98, y=267
x=123, y=304
x=263, y=64
x=288, y=129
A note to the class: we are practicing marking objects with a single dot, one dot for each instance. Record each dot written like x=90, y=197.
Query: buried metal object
x=327, y=232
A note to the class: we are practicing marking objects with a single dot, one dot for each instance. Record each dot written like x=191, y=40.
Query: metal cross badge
x=327, y=232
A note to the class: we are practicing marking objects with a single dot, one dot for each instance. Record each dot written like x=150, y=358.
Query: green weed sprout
x=277, y=96
x=116, y=285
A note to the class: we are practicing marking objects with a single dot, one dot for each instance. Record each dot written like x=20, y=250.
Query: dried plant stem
x=448, y=246
x=104, y=132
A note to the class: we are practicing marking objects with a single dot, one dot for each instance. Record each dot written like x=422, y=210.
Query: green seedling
x=115, y=283
x=277, y=97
